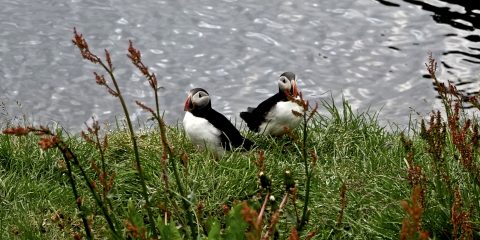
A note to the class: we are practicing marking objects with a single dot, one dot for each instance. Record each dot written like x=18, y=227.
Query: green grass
x=352, y=149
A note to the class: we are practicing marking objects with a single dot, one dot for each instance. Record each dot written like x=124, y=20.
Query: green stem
x=104, y=172
x=186, y=204
x=135, y=150
x=296, y=210
x=68, y=155
x=308, y=174
x=76, y=196
x=100, y=149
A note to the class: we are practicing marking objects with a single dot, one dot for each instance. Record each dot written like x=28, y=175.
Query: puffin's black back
x=254, y=117
x=230, y=135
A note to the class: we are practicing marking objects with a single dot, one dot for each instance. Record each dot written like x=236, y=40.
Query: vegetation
x=339, y=176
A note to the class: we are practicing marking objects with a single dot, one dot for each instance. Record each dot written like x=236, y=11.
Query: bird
x=275, y=116
x=208, y=128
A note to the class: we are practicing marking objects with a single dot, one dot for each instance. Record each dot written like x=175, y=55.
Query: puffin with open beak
x=274, y=116
x=208, y=128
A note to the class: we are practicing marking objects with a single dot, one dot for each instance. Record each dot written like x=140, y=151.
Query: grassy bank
x=352, y=151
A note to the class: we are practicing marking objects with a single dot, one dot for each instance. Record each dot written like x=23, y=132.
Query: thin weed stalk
x=77, y=197
x=68, y=154
x=304, y=219
x=185, y=202
x=265, y=184
x=343, y=204
x=276, y=217
x=78, y=201
x=290, y=189
x=308, y=172
x=82, y=45
x=441, y=88
x=105, y=180
x=135, y=56
x=262, y=211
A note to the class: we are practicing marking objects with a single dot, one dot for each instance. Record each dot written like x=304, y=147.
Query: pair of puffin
x=209, y=129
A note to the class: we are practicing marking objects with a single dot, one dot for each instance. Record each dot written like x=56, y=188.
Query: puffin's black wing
x=230, y=134
x=254, y=117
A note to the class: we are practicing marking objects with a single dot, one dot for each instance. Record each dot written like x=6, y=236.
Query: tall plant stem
x=304, y=218
x=68, y=156
x=441, y=89
x=168, y=152
x=162, y=125
x=135, y=150
x=104, y=172
x=76, y=196
x=102, y=153
x=186, y=204
x=275, y=217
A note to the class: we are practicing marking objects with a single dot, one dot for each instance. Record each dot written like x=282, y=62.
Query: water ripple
x=262, y=37
x=268, y=23
x=122, y=21
x=203, y=24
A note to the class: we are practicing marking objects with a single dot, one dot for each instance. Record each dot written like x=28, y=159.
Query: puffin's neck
x=202, y=112
x=281, y=95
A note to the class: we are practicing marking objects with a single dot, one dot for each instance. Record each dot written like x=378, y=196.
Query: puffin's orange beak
x=294, y=88
x=188, y=102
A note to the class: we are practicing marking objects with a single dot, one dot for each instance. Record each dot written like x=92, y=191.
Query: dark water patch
x=468, y=20
x=472, y=61
x=472, y=55
x=427, y=76
x=473, y=38
x=460, y=82
x=387, y=3
x=446, y=65
x=461, y=57
x=394, y=48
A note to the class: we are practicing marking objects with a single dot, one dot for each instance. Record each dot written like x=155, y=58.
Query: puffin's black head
x=287, y=83
x=197, y=99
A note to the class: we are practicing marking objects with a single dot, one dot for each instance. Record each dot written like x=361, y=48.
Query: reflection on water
x=461, y=57
x=370, y=53
x=458, y=14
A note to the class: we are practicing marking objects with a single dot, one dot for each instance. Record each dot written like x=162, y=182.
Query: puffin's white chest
x=281, y=117
x=202, y=133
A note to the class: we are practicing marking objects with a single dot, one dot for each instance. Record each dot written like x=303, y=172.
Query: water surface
x=371, y=53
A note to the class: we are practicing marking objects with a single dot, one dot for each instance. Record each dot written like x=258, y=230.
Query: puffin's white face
x=197, y=99
x=288, y=85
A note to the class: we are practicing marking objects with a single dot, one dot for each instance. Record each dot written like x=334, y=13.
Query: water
x=372, y=53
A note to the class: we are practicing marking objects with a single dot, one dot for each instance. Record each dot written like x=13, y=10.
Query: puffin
x=208, y=128
x=275, y=116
